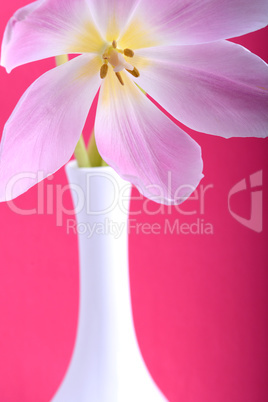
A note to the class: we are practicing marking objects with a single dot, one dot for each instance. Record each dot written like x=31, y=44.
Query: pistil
x=115, y=57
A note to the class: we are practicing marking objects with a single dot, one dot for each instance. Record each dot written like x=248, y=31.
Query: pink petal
x=194, y=21
x=43, y=130
x=112, y=16
x=218, y=88
x=143, y=145
x=48, y=28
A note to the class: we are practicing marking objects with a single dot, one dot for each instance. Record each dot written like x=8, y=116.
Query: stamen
x=103, y=71
x=134, y=72
x=128, y=52
x=120, y=78
x=115, y=57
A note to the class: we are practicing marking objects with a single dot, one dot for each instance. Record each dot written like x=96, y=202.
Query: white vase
x=106, y=365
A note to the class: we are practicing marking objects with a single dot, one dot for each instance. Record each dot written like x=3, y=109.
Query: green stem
x=142, y=90
x=80, y=151
x=93, y=153
x=61, y=59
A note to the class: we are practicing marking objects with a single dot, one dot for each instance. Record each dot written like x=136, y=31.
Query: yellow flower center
x=116, y=58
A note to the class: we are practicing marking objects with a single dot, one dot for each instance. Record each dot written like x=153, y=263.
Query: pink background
x=199, y=300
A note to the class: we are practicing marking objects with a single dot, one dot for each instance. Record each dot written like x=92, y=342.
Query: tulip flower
x=175, y=50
